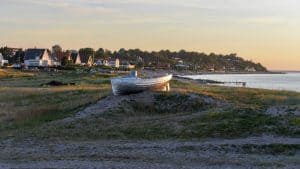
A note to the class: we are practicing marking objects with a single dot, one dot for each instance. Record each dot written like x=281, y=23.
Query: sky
x=265, y=31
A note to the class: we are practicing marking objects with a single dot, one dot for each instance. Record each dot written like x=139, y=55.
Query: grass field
x=193, y=125
x=190, y=111
x=25, y=102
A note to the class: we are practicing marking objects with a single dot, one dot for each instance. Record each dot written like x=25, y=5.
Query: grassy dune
x=190, y=111
x=151, y=121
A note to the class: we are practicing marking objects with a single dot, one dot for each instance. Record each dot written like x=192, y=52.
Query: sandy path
x=144, y=154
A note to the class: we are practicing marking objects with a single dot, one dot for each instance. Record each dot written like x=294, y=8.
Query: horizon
x=264, y=31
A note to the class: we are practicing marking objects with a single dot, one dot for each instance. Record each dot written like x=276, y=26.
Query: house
x=179, y=61
x=75, y=58
x=211, y=69
x=250, y=69
x=39, y=58
x=86, y=60
x=13, y=51
x=130, y=66
x=182, y=67
x=101, y=62
x=105, y=62
x=114, y=63
x=2, y=60
x=164, y=65
x=127, y=65
x=98, y=62
x=58, y=55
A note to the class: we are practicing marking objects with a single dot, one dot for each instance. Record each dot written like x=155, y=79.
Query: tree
x=99, y=54
x=87, y=52
x=6, y=53
x=65, y=61
x=107, y=53
x=19, y=57
x=57, y=49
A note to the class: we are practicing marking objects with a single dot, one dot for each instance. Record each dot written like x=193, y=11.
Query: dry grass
x=25, y=105
x=21, y=104
x=24, y=102
x=256, y=98
x=10, y=73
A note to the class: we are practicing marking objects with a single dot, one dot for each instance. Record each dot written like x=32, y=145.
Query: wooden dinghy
x=132, y=84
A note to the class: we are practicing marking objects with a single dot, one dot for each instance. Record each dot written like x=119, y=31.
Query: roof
x=54, y=58
x=58, y=56
x=74, y=56
x=85, y=58
x=34, y=53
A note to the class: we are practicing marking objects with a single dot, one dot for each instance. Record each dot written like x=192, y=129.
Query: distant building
x=58, y=55
x=179, y=61
x=130, y=66
x=98, y=62
x=12, y=51
x=182, y=67
x=86, y=60
x=211, y=69
x=164, y=65
x=2, y=60
x=127, y=66
x=114, y=63
x=221, y=69
x=75, y=58
x=105, y=62
x=250, y=69
x=39, y=58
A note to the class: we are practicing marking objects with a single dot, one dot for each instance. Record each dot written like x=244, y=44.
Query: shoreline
x=191, y=73
x=220, y=83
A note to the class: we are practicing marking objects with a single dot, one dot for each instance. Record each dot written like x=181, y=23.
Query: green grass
x=27, y=104
x=236, y=123
x=181, y=114
x=257, y=98
x=163, y=119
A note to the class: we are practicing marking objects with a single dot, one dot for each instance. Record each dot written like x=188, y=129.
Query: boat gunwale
x=136, y=78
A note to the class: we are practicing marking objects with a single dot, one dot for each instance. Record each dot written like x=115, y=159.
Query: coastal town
x=44, y=58
x=57, y=58
x=149, y=84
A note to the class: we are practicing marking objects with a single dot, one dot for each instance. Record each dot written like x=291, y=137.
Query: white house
x=75, y=57
x=2, y=60
x=39, y=58
x=250, y=69
x=127, y=65
x=86, y=60
x=105, y=63
x=114, y=63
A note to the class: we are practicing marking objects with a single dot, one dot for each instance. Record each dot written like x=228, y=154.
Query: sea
x=288, y=81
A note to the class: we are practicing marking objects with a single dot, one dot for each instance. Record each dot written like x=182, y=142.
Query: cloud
x=38, y=14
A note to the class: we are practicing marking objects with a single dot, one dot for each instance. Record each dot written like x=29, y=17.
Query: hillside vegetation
x=81, y=125
x=190, y=111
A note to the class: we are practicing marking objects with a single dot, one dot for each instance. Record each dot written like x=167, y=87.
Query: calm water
x=289, y=81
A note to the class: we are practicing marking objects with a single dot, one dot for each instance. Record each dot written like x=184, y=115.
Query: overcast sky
x=266, y=31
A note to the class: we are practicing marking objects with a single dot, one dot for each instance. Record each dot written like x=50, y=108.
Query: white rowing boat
x=133, y=84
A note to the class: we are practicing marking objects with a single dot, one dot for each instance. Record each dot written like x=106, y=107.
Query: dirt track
x=208, y=153
x=145, y=154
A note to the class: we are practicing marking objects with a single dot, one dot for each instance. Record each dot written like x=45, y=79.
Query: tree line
x=166, y=59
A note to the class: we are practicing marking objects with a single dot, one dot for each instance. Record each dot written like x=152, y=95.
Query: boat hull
x=123, y=86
